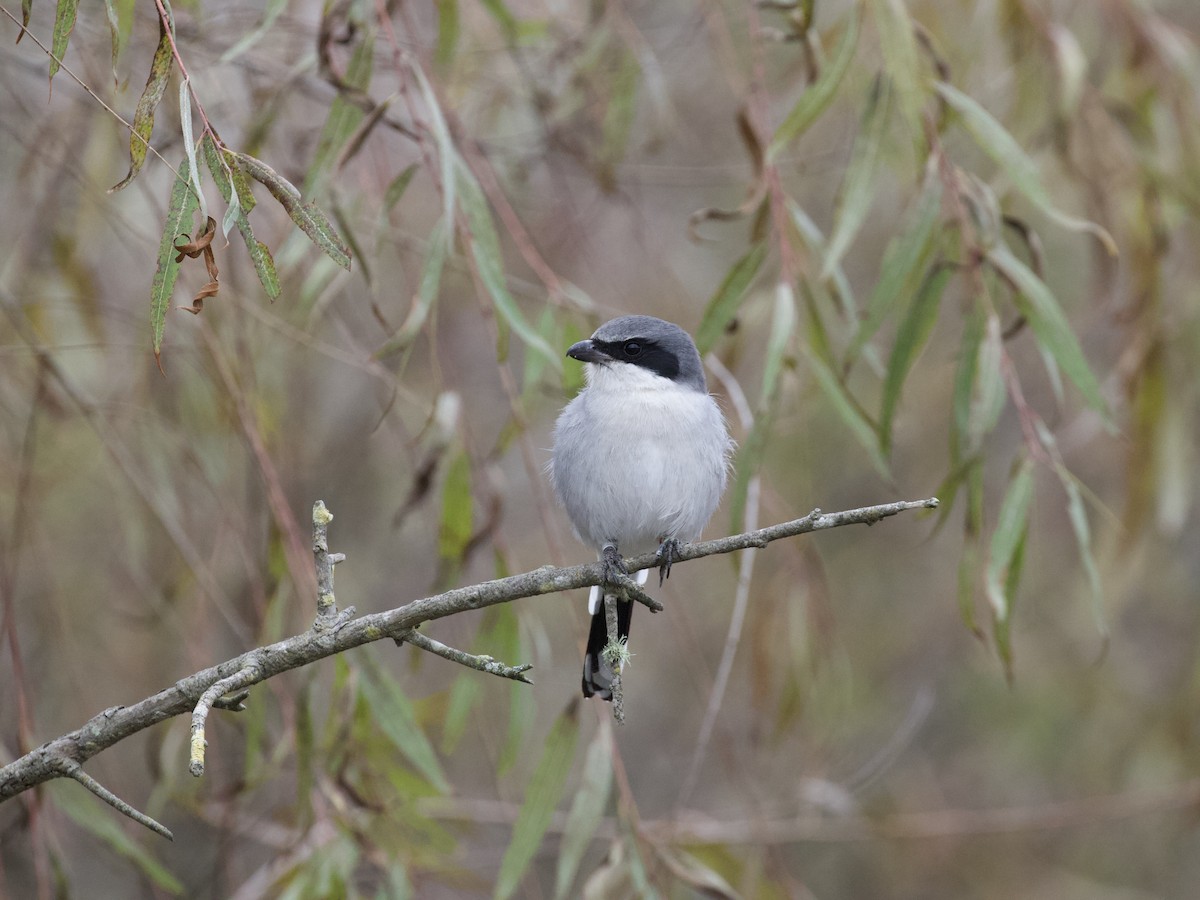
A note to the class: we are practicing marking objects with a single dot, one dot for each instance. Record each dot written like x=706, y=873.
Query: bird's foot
x=614, y=566
x=668, y=552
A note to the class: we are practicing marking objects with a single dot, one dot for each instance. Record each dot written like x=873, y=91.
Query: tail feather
x=597, y=673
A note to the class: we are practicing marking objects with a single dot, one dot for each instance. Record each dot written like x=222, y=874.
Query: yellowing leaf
x=307, y=216
x=64, y=24
x=225, y=171
x=143, y=116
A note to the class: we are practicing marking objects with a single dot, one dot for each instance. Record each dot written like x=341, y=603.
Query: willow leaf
x=308, y=216
x=143, y=115
x=1050, y=325
x=857, y=190
x=728, y=298
x=64, y=24
x=818, y=95
x=180, y=210
x=994, y=140
x=541, y=798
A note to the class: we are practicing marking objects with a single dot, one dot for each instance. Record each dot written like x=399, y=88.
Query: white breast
x=638, y=459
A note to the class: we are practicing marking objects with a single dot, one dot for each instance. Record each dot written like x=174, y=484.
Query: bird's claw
x=614, y=565
x=668, y=552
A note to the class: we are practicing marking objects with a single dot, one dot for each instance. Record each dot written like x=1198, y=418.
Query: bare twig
x=200, y=691
x=482, y=663
x=72, y=769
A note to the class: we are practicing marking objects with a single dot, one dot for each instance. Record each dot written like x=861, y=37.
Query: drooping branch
x=54, y=759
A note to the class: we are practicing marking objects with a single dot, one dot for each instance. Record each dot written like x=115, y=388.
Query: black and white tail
x=597, y=673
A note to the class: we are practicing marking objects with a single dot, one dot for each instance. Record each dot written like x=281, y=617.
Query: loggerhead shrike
x=640, y=457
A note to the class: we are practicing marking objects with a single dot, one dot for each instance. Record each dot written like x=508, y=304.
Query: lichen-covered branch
x=235, y=682
x=51, y=760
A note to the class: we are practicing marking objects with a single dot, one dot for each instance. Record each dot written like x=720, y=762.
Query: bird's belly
x=647, y=483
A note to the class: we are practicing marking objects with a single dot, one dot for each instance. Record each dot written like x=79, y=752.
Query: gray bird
x=640, y=458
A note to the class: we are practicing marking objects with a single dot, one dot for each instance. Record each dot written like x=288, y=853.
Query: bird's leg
x=614, y=565
x=668, y=552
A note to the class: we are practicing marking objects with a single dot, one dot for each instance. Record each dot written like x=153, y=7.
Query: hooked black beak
x=586, y=351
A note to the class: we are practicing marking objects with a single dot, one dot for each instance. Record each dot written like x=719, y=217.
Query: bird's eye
x=632, y=349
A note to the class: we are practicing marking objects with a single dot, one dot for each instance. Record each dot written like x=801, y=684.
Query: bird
x=641, y=457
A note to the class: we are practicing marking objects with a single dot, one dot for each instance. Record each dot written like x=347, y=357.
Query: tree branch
x=470, y=660
x=206, y=688
x=72, y=769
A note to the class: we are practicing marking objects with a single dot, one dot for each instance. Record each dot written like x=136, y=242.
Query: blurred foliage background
x=890, y=224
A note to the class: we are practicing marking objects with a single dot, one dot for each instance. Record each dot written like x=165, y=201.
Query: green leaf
x=750, y=454
x=691, y=871
x=1021, y=170
x=464, y=695
x=728, y=298
x=748, y=461
x=394, y=715
x=344, y=117
x=587, y=809
x=448, y=31
x=272, y=12
x=857, y=189
x=64, y=24
x=979, y=390
x=427, y=290
x=484, y=247
x=783, y=327
x=503, y=16
x=305, y=758
x=814, y=241
x=818, y=95
x=231, y=183
x=179, y=221
x=1007, y=538
x=541, y=797
x=1049, y=325
x=964, y=379
x=101, y=821
x=911, y=337
x=454, y=530
x=968, y=563
x=448, y=160
x=1083, y=541
x=143, y=115
x=901, y=58
x=624, y=79
x=849, y=412
x=307, y=216
x=903, y=264
x=120, y=22
x=505, y=637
